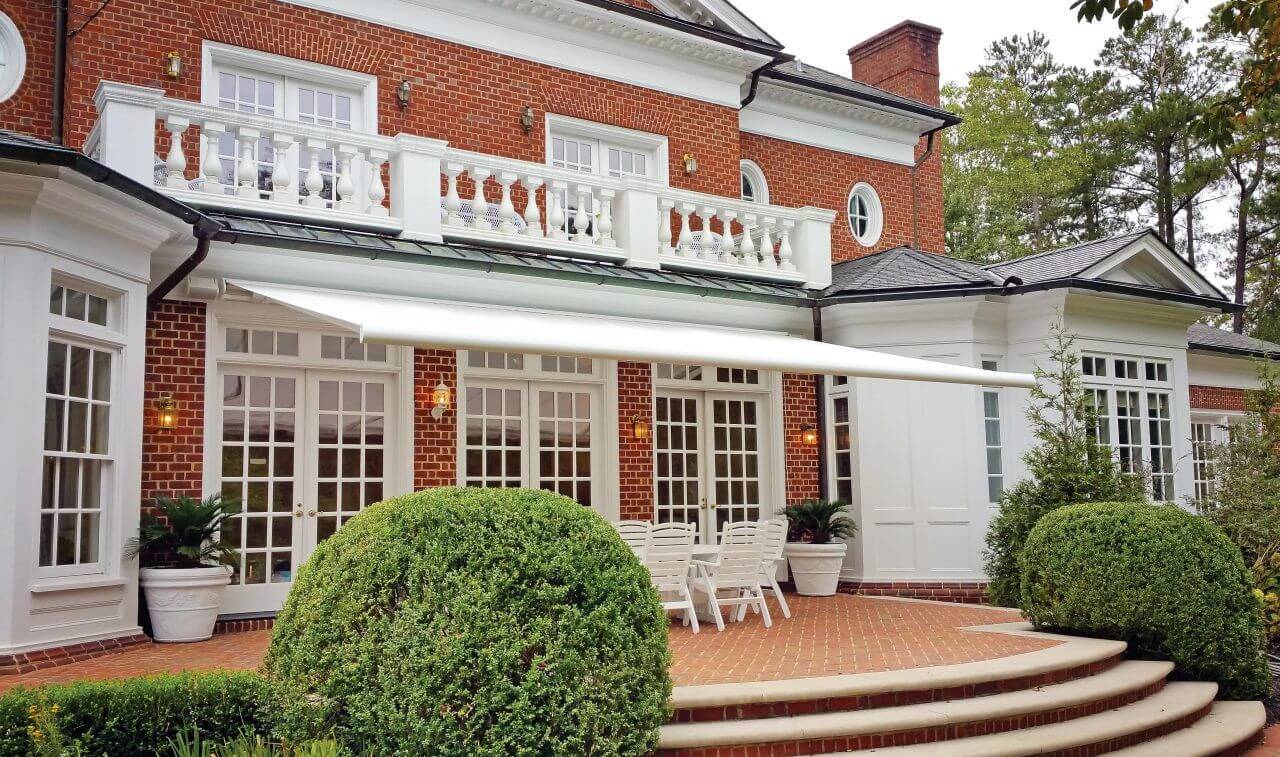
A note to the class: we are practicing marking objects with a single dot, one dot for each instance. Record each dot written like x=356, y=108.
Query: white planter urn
x=183, y=602
x=815, y=568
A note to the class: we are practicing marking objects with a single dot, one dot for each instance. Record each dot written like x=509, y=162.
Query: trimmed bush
x=1166, y=581
x=136, y=717
x=474, y=621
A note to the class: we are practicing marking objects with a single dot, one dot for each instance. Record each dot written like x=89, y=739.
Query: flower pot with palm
x=188, y=564
x=815, y=548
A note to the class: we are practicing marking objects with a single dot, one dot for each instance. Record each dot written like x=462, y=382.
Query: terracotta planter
x=815, y=568
x=183, y=602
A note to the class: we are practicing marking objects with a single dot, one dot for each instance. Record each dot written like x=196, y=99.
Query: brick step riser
x=760, y=710
x=932, y=734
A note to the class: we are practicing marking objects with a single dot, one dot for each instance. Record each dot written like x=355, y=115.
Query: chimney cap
x=900, y=28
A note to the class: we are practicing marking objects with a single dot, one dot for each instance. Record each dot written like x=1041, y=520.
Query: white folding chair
x=667, y=555
x=774, y=534
x=635, y=533
x=736, y=567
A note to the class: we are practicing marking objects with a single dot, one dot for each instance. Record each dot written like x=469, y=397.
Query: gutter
x=1233, y=351
x=820, y=413
x=915, y=184
x=755, y=78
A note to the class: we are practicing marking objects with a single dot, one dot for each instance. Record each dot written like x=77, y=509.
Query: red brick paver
x=825, y=636
x=1270, y=746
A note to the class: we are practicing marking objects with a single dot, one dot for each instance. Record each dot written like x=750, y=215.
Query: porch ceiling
x=426, y=323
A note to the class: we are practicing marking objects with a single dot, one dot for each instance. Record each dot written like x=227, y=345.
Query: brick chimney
x=902, y=59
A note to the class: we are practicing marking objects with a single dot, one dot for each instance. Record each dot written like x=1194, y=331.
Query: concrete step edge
x=1227, y=726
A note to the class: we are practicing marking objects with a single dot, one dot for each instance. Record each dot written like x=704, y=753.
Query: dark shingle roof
x=1065, y=262
x=905, y=269
x=802, y=73
x=1211, y=339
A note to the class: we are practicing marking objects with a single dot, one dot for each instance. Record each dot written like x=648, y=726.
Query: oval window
x=865, y=214
x=13, y=58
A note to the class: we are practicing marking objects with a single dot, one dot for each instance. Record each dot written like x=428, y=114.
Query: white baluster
x=345, y=186
x=766, y=242
x=377, y=192
x=606, y=219
x=557, y=218
x=506, y=210
x=747, y=247
x=315, y=182
x=247, y=170
x=708, y=247
x=784, y=247
x=479, y=205
x=532, y=215
x=726, y=237
x=281, y=171
x=452, y=202
x=582, y=216
x=664, y=226
x=212, y=132
x=684, y=247
x=176, y=162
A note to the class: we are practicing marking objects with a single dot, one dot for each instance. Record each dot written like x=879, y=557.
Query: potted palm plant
x=815, y=547
x=189, y=564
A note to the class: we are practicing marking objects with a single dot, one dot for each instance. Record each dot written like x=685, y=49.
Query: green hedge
x=1166, y=581
x=137, y=716
x=474, y=622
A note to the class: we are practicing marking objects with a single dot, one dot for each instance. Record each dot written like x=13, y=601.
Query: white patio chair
x=775, y=539
x=736, y=569
x=667, y=555
x=635, y=533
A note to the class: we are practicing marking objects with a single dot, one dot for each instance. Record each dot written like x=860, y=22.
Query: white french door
x=707, y=459
x=303, y=451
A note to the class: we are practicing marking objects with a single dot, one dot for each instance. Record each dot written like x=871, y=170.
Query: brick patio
x=825, y=636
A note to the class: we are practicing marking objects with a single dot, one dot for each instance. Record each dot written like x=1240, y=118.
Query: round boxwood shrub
x=1166, y=581
x=474, y=621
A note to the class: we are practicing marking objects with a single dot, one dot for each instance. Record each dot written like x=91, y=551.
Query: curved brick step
x=1121, y=685
x=1176, y=707
x=1074, y=658
x=1230, y=728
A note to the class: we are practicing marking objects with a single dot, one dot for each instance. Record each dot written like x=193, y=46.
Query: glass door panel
x=350, y=450
x=677, y=461
x=493, y=429
x=564, y=462
x=735, y=449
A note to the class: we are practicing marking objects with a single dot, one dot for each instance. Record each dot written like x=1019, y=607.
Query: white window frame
x=755, y=174
x=875, y=213
x=605, y=453
x=1142, y=387
x=15, y=67
x=110, y=339
x=993, y=363
x=606, y=136
x=835, y=391
x=289, y=73
x=1219, y=423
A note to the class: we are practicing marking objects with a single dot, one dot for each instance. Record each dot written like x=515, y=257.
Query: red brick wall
x=1217, y=398
x=798, y=411
x=434, y=441
x=635, y=463
x=803, y=175
x=172, y=459
x=29, y=110
x=902, y=59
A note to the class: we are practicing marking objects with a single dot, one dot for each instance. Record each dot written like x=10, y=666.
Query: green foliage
x=1066, y=466
x=819, y=522
x=1266, y=586
x=474, y=621
x=187, y=528
x=1244, y=500
x=134, y=717
x=248, y=744
x=1169, y=583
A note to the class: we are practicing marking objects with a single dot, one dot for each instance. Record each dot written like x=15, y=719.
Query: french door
x=303, y=451
x=535, y=434
x=707, y=459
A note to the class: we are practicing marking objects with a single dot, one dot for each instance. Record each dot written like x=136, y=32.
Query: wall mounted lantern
x=440, y=397
x=403, y=91
x=173, y=64
x=526, y=118
x=166, y=411
x=809, y=435
x=690, y=163
x=639, y=427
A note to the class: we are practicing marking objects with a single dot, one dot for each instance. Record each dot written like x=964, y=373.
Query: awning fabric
x=427, y=323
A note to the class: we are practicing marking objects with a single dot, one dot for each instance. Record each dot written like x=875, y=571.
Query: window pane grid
x=994, y=444
x=246, y=94
x=76, y=453
x=842, y=448
x=677, y=475
x=1138, y=399
x=350, y=451
x=735, y=473
x=316, y=106
x=564, y=444
x=1160, y=429
x=1202, y=458
x=494, y=443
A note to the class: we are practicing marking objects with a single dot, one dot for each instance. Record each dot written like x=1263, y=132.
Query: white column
x=767, y=260
x=726, y=237
x=211, y=167
x=344, y=188
x=606, y=219
x=452, y=202
x=415, y=186
x=634, y=210
x=175, y=162
x=283, y=187
x=784, y=247
x=480, y=206
x=748, y=245
x=557, y=217
x=506, y=208
x=377, y=192
x=532, y=214
x=709, y=250
x=664, y=226
x=247, y=165
x=127, y=129
x=315, y=182
x=582, y=214
x=811, y=244
x=684, y=247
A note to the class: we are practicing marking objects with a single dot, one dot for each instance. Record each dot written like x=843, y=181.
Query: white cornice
x=827, y=103
x=571, y=35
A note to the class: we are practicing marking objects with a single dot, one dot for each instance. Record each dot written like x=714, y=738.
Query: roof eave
x=909, y=106
x=1233, y=351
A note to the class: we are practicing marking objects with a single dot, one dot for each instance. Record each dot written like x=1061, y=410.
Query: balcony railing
x=223, y=159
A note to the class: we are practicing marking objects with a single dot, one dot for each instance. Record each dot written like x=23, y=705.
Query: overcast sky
x=822, y=31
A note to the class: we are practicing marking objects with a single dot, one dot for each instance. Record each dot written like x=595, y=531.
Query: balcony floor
x=824, y=636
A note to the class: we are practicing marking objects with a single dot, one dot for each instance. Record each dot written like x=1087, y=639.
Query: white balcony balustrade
x=228, y=160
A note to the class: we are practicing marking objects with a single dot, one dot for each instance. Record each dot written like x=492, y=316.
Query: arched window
x=13, y=58
x=866, y=217
x=754, y=187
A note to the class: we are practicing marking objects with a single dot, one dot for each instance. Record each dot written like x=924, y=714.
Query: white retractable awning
x=428, y=323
